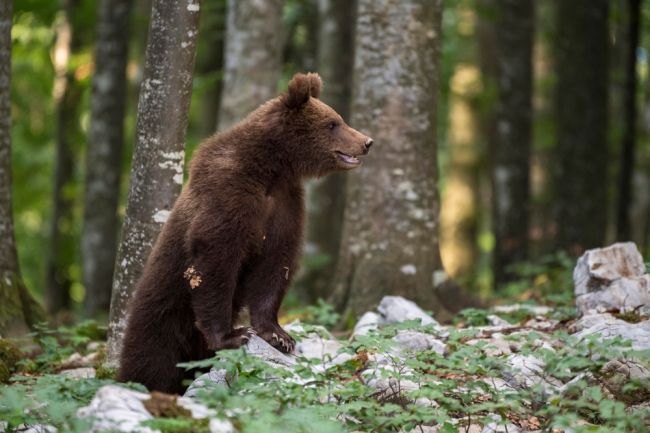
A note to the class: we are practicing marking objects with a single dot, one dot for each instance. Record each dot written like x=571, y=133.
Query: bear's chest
x=282, y=220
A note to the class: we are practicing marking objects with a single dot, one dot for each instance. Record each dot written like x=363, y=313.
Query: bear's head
x=318, y=139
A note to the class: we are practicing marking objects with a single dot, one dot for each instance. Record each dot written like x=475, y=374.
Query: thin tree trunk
x=104, y=154
x=252, y=57
x=326, y=197
x=511, y=170
x=625, y=198
x=157, y=168
x=390, y=232
x=209, y=63
x=18, y=310
x=67, y=95
x=581, y=65
x=460, y=200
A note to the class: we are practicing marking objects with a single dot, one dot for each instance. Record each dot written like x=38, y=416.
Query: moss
x=9, y=354
x=104, y=372
x=630, y=316
x=5, y=374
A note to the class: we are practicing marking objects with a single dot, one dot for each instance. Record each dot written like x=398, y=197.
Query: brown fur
x=233, y=237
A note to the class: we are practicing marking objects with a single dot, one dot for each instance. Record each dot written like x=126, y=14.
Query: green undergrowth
x=455, y=390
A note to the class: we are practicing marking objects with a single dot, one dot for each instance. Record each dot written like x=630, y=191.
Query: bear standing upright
x=233, y=238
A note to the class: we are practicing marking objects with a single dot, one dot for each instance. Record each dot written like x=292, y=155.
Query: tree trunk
x=104, y=154
x=511, y=210
x=460, y=201
x=17, y=308
x=390, y=231
x=625, y=198
x=581, y=65
x=252, y=57
x=157, y=168
x=326, y=196
x=67, y=94
x=209, y=63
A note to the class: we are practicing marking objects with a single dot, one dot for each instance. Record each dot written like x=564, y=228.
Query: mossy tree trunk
x=390, y=232
x=18, y=309
x=326, y=196
x=157, y=167
x=104, y=154
x=253, y=58
x=581, y=105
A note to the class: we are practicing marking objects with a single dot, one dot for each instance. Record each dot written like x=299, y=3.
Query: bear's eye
x=332, y=125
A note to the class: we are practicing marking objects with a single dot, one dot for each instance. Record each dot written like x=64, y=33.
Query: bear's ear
x=301, y=87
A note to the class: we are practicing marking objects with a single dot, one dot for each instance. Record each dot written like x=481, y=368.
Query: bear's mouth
x=348, y=159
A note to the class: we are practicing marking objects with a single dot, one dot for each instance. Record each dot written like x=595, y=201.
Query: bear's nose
x=367, y=144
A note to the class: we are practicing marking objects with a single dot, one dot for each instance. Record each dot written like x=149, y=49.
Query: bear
x=233, y=237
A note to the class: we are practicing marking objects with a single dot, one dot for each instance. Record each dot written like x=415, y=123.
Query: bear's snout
x=366, y=145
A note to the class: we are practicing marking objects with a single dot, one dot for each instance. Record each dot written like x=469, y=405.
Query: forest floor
x=521, y=367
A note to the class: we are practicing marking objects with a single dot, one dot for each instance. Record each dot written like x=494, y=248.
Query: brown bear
x=233, y=237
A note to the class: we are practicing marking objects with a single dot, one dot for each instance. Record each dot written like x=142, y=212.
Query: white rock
x=384, y=379
x=79, y=373
x=208, y=380
x=369, y=321
x=256, y=346
x=524, y=371
x=537, y=310
x=220, y=426
x=609, y=327
x=611, y=278
x=618, y=372
x=497, y=321
x=117, y=409
x=497, y=426
x=37, y=428
x=396, y=309
x=315, y=346
x=493, y=347
x=414, y=341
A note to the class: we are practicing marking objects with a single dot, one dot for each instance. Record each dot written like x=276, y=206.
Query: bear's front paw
x=232, y=340
x=278, y=338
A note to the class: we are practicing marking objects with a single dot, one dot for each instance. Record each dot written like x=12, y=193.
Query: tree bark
x=67, y=95
x=157, y=168
x=252, y=57
x=18, y=310
x=390, y=231
x=326, y=196
x=581, y=65
x=511, y=211
x=625, y=196
x=104, y=154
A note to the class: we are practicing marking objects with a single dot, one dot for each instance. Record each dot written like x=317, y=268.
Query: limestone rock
x=79, y=373
x=414, y=341
x=208, y=380
x=117, y=409
x=609, y=327
x=369, y=321
x=256, y=346
x=611, y=278
x=618, y=372
x=396, y=309
x=524, y=371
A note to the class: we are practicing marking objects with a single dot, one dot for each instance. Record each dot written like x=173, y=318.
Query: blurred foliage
x=35, y=124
